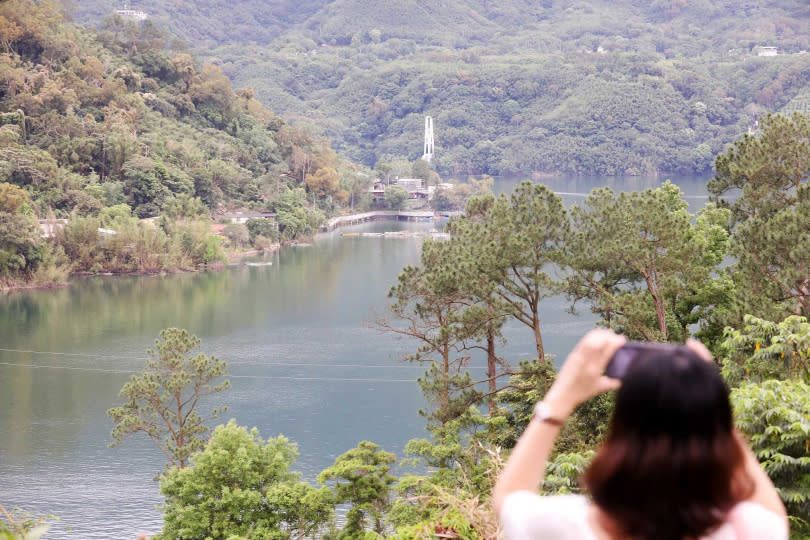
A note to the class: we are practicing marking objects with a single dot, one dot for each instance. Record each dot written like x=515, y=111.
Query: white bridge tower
x=428, y=155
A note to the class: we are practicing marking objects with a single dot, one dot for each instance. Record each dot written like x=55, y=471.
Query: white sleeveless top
x=528, y=516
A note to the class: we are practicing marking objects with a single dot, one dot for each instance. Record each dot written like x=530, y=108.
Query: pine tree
x=764, y=179
x=162, y=401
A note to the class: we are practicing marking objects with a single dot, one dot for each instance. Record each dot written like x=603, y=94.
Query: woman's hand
x=699, y=349
x=582, y=376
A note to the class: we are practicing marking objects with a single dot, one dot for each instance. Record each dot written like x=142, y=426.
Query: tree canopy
x=763, y=179
x=163, y=402
x=240, y=486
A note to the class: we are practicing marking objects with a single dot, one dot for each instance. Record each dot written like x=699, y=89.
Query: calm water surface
x=302, y=358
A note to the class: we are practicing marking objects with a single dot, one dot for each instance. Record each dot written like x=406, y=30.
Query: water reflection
x=294, y=332
x=303, y=360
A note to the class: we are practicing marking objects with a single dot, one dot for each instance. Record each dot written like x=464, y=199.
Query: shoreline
x=235, y=256
x=230, y=259
x=5, y=288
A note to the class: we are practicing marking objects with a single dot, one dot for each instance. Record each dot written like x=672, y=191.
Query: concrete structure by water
x=401, y=215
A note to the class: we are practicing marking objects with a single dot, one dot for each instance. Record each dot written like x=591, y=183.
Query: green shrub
x=775, y=417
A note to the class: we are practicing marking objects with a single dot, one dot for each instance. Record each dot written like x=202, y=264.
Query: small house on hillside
x=377, y=191
x=766, y=51
x=132, y=14
x=49, y=227
x=415, y=186
x=411, y=184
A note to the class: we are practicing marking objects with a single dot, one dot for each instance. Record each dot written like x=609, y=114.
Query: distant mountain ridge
x=621, y=87
x=263, y=22
x=202, y=22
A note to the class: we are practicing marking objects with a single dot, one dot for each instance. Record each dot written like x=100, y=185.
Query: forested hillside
x=625, y=87
x=105, y=126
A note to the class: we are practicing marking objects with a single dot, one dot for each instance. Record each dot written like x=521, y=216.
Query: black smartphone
x=631, y=351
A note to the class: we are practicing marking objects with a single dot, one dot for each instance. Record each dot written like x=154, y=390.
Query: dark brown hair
x=670, y=467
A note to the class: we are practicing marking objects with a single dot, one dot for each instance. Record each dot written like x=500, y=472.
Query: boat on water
x=268, y=263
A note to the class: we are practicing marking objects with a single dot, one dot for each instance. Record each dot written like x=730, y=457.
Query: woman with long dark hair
x=671, y=468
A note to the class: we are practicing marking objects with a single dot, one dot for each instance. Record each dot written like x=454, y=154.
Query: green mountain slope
x=100, y=127
x=622, y=87
x=99, y=118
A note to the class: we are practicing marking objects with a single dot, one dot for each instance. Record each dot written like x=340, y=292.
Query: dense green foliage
x=765, y=181
x=361, y=478
x=602, y=87
x=20, y=253
x=763, y=350
x=775, y=416
x=137, y=246
x=767, y=362
x=240, y=486
x=105, y=126
x=395, y=196
x=646, y=265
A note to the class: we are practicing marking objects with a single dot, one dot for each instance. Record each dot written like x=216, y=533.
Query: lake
x=302, y=358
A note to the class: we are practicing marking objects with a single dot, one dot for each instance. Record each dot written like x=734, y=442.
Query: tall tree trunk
x=444, y=398
x=803, y=305
x=491, y=367
x=658, y=302
x=538, y=339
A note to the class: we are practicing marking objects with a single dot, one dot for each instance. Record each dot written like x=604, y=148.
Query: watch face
x=542, y=411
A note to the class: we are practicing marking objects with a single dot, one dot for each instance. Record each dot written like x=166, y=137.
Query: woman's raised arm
x=580, y=379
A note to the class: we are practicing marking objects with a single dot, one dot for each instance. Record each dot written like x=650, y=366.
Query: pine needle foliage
x=162, y=402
